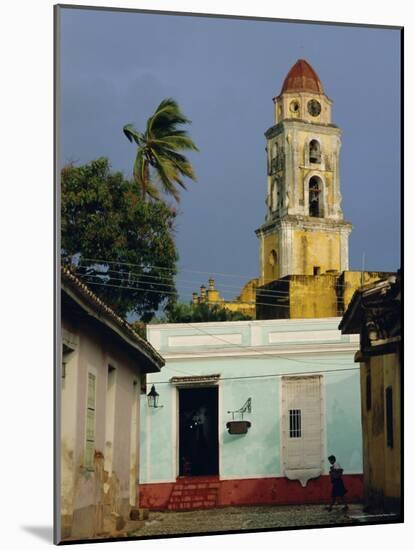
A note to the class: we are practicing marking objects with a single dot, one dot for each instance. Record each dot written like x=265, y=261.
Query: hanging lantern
x=153, y=398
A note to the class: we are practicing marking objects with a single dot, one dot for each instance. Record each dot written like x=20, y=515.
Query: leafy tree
x=116, y=240
x=179, y=312
x=158, y=161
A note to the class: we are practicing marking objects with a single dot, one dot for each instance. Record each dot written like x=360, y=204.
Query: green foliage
x=159, y=164
x=103, y=218
x=200, y=313
x=140, y=328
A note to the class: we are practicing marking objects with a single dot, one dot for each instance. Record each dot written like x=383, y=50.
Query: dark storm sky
x=116, y=67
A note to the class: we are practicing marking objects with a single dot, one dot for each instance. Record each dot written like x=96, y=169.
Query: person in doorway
x=338, y=487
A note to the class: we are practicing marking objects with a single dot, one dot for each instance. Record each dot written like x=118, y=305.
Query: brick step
x=197, y=479
x=196, y=486
x=194, y=493
x=183, y=491
x=197, y=497
x=191, y=505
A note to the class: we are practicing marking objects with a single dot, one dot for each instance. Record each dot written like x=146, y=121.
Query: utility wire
x=182, y=270
x=141, y=289
x=262, y=375
x=263, y=293
x=124, y=287
x=241, y=346
x=160, y=277
x=127, y=275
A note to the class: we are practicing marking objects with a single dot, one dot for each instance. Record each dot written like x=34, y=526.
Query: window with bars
x=90, y=422
x=295, y=423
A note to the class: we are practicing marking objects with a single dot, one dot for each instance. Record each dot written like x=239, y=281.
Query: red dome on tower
x=302, y=78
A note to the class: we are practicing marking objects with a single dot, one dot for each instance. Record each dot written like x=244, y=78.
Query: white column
x=286, y=263
x=262, y=258
x=344, y=258
x=292, y=185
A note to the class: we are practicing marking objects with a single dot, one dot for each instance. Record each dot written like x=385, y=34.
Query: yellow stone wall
x=213, y=297
x=313, y=297
x=312, y=248
x=246, y=299
x=382, y=464
x=270, y=272
x=244, y=303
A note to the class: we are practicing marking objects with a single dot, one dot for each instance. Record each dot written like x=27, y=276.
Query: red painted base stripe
x=238, y=492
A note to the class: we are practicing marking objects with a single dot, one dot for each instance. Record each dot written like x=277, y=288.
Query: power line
x=267, y=293
x=192, y=282
x=159, y=277
x=241, y=346
x=141, y=289
x=124, y=287
x=261, y=375
x=165, y=268
x=182, y=270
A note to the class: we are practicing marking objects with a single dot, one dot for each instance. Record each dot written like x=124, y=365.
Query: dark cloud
x=116, y=67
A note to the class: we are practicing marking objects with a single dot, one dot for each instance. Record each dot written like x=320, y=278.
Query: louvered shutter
x=302, y=435
x=90, y=422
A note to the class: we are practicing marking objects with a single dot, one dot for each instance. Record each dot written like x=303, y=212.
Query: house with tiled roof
x=103, y=369
x=374, y=315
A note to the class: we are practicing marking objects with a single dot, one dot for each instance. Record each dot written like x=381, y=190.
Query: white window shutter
x=90, y=422
x=302, y=449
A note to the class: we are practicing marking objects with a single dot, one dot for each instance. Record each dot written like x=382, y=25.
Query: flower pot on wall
x=238, y=427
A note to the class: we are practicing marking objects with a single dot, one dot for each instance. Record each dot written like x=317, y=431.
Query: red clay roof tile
x=302, y=78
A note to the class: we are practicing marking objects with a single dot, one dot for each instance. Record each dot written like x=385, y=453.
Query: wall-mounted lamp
x=153, y=398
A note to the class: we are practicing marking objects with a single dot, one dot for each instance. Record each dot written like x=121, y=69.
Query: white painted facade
x=102, y=375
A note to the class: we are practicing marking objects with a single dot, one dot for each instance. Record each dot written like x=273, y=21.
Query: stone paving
x=245, y=517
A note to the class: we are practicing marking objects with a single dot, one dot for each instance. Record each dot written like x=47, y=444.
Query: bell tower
x=304, y=232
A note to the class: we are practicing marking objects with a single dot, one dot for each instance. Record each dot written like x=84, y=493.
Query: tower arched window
x=274, y=194
x=273, y=258
x=315, y=197
x=314, y=151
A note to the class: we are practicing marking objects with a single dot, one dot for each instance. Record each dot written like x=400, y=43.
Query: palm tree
x=158, y=160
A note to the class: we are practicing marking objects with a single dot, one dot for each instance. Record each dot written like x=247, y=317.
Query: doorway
x=198, y=431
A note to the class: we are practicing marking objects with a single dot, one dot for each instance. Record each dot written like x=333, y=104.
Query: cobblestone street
x=244, y=517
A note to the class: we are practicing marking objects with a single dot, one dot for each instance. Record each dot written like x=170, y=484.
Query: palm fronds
x=159, y=162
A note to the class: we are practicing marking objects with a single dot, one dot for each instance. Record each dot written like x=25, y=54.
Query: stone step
x=133, y=525
x=194, y=493
x=196, y=497
x=193, y=486
x=197, y=479
x=191, y=505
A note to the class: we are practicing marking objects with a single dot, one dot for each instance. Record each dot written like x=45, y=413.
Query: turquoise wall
x=344, y=429
x=257, y=453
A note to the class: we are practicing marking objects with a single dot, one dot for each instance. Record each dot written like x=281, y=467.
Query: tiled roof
x=302, y=78
x=377, y=291
x=69, y=280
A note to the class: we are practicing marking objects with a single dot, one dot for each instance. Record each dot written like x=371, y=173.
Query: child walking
x=338, y=487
